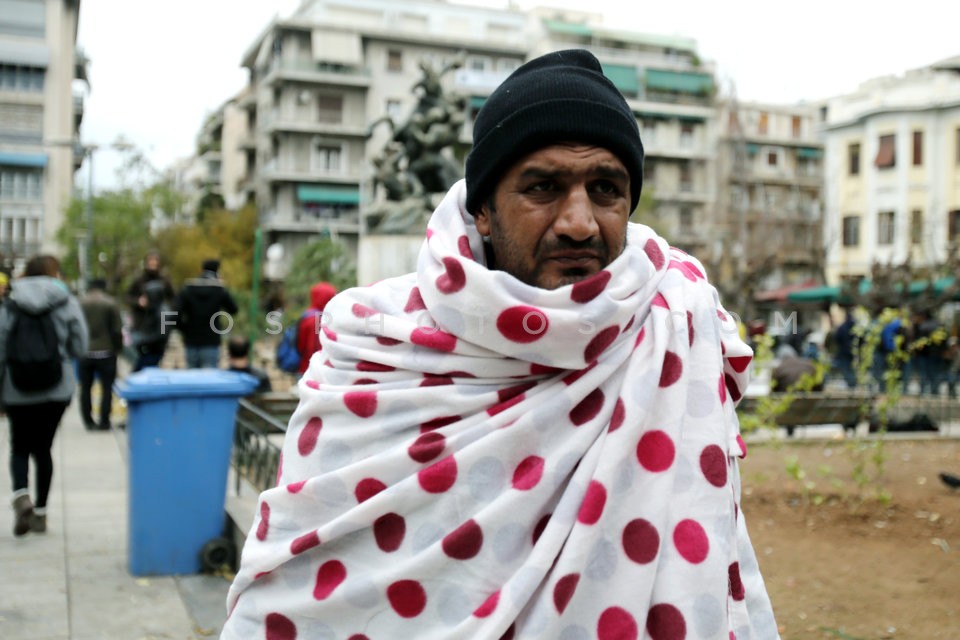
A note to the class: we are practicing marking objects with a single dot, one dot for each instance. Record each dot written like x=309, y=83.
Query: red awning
x=780, y=295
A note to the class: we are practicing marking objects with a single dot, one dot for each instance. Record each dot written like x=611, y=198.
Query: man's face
x=152, y=263
x=559, y=215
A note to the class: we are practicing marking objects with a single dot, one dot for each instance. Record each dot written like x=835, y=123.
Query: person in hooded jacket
x=308, y=330
x=35, y=415
x=204, y=307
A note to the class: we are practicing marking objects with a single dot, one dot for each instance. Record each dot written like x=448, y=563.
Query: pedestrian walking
x=105, y=327
x=42, y=329
x=149, y=296
x=205, y=311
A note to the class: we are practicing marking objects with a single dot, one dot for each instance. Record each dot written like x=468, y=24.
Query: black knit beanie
x=562, y=96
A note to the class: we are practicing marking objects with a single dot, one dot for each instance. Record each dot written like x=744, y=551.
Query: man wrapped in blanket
x=531, y=437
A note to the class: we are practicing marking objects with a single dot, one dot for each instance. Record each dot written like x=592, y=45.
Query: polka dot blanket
x=476, y=458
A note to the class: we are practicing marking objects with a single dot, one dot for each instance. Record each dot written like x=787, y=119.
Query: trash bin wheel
x=218, y=552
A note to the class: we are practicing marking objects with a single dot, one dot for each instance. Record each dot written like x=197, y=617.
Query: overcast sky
x=158, y=68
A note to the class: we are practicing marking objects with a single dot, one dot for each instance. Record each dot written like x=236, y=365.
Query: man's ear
x=482, y=220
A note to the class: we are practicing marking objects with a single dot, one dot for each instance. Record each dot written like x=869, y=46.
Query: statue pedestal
x=385, y=256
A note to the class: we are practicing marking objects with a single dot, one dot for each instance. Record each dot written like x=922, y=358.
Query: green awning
x=624, y=77
x=679, y=81
x=833, y=293
x=753, y=149
x=809, y=152
x=815, y=294
x=328, y=193
x=938, y=286
x=477, y=102
x=559, y=26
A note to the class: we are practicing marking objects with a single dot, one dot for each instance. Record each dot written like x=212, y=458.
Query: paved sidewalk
x=72, y=583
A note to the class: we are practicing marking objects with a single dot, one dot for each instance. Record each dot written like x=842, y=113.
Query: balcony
x=345, y=223
x=664, y=147
x=308, y=71
x=283, y=122
x=287, y=171
x=683, y=191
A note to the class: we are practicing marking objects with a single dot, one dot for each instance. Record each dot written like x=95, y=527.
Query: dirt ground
x=839, y=567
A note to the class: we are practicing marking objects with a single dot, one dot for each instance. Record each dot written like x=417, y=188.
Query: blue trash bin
x=180, y=426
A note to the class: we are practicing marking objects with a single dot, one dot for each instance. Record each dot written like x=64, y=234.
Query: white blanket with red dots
x=475, y=458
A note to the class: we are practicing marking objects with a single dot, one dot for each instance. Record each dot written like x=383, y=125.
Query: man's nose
x=576, y=218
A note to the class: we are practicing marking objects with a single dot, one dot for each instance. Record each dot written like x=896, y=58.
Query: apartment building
x=892, y=189
x=321, y=78
x=39, y=123
x=672, y=93
x=214, y=177
x=770, y=191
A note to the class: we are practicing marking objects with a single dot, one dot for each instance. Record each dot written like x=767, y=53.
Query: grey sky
x=157, y=69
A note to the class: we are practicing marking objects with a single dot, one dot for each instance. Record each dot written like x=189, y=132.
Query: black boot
x=23, y=509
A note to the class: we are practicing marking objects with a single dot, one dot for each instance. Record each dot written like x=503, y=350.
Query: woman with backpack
x=42, y=329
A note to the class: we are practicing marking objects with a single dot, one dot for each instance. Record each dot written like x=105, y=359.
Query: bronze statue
x=413, y=164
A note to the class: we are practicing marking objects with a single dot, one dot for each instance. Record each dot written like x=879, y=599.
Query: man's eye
x=543, y=185
x=606, y=187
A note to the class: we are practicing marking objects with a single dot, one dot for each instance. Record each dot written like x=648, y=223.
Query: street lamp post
x=87, y=247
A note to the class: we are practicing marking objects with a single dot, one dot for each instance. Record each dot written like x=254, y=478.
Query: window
x=953, y=221
x=763, y=123
x=686, y=134
x=733, y=121
x=649, y=131
x=686, y=177
x=649, y=172
x=330, y=109
x=853, y=156
x=795, y=126
x=507, y=65
x=885, y=222
x=327, y=158
x=686, y=220
x=19, y=78
x=917, y=148
x=21, y=184
x=393, y=108
x=394, y=60
x=479, y=64
x=851, y=231
x=736, y=197
x=916, y=226
x=958, y=145
x=886, y=152
x=773, y=158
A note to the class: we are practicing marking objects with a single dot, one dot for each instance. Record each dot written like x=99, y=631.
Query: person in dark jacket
x=105, y=327
x=148, y=296
x=35, y=415
x=204, y=314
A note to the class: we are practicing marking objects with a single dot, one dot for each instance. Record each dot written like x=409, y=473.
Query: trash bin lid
x=153, y=383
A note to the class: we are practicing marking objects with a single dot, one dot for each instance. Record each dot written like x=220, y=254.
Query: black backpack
x=33, y=350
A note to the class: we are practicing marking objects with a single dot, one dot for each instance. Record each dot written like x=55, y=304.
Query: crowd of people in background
x=860, y=351
x=54, y=344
